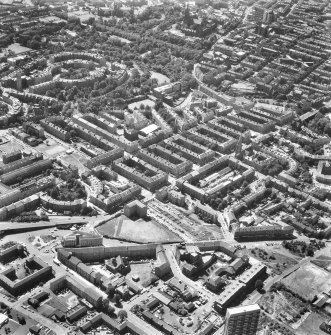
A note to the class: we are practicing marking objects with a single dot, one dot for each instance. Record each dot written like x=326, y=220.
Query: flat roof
x=243, y=309
x=3, y=318
x=149, y=129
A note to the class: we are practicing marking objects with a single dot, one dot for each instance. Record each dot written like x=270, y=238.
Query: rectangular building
x=242, y=320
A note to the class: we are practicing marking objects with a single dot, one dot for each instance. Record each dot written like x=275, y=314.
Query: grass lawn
x=161, y=78
x=109, y=228
x=146, y=102
x=138, y=231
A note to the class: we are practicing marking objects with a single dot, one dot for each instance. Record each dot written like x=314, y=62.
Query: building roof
x=243, y=309
x=149, y=129
x=3, y=318
x=164, y=298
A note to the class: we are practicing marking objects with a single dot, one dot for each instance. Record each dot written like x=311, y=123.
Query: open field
x=138, y=231
x=308, y=281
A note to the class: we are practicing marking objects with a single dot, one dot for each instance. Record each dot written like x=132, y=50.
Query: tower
x=242, y=320
x=268, y=16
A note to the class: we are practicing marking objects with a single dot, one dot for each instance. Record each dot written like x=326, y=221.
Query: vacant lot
x=137, y=231
x=271, y=327
x=285, y=307
x=76, y=160
x=276, y=260
x=10, y=328
x=143, y=270
x=308, y=281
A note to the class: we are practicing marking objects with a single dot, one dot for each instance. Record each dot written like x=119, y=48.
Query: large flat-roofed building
x=242, y=320
x=81, y=239
x=230, y=293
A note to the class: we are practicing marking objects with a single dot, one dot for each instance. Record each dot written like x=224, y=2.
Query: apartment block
x=26, y=171
x=141, y=172
x=94, y=127
x=166, y=160
x=242, y=320
x=51, y=126
x=81, y=239
x=15, y=286
x=191, y=150
x=20, y=163
x=264, y=232
x=105, y=158
x=110, y=203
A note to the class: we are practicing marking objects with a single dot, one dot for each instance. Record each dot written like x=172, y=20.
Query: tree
x=105, y=304
x=259, y=285
x=158, y=104
x=122, y=314
x=110, y=309
x=117, y=298
x=35, y=44
x=21, y=320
